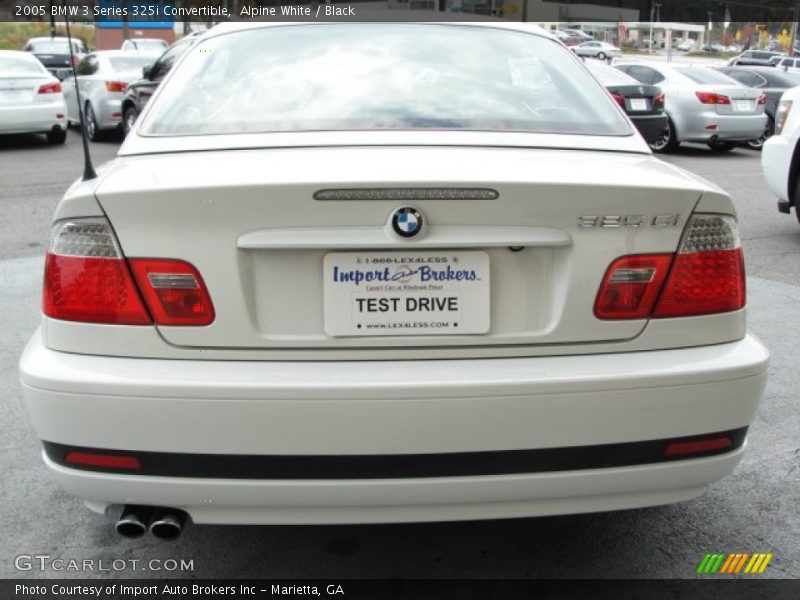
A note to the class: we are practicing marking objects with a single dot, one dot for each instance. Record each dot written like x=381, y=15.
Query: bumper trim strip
x=392, y=466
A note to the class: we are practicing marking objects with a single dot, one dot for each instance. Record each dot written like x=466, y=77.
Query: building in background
x=110, y=33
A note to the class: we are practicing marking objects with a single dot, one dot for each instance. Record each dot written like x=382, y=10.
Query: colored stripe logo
x=734, y=563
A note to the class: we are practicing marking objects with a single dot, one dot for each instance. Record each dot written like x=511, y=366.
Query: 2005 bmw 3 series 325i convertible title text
x=354, y=273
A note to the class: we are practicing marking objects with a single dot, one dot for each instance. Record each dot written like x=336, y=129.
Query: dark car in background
x=644, y=104
x=55, y=54
x=772, y=82
x=139, y=92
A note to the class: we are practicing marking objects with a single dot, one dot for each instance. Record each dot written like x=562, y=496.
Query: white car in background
x=703, y=105
x=149, y=45
x=600, y=50
x=103, y=77
x=780, y=157
x=328, y=280
x=31, y=99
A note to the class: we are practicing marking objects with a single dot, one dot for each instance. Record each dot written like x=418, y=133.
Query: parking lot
x=753, y=510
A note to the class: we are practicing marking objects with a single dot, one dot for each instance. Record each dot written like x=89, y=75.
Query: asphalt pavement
x=754, y=510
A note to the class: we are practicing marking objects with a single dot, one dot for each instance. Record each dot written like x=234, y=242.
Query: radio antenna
x=88, y=168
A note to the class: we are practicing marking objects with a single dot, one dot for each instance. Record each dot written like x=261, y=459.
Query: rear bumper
x=35, y=118
x=382, y=409
x=650, y=126
x=734, y=128
x=776, y=162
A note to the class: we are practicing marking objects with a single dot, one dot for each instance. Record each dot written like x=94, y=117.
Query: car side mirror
x=147, y=71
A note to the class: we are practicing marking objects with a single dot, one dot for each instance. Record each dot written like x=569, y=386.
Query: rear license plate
x=406, y=293
x=9, y=94
x=743, y=106
x=639, y=104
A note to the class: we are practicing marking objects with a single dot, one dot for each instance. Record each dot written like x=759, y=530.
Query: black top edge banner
x=410, y=589
x=140, y=13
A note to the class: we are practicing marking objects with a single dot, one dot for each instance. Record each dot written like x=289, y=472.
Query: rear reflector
x=116, y=86
x=631, y=286
x=87, y=279
x=706, y=276
x=698, y=446
x=109, y=461
x=711, y=98
x=174, y=291
x=50, y=88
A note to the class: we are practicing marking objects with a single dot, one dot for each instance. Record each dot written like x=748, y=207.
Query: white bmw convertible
x=355, y=273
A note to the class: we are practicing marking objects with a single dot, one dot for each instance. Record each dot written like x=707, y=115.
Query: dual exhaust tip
x=163, y=523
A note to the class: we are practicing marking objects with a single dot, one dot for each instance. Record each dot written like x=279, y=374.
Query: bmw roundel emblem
x=407, y=221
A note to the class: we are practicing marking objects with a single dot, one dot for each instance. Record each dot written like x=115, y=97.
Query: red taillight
x=109, y=461
x=700, y=446
x=631, y=286
x=762, y=99
x=174, y=291
x=711, y=98
x=703, y=283
x=116, y=86
x=50, y=88
x=660, y=99
x=706, y=276
x=86, y=277
x=95, y=290
x=619, y=98
x=73, y=60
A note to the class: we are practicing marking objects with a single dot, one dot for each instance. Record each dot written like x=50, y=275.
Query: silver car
x=703, y=105
x=601, y=50
x=31, y=99
x=103, y=77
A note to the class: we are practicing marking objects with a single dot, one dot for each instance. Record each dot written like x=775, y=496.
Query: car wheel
x=92, y=130
x=56, y=136
x=758, y=144
x=667, y=141
x=721, y=146
x=129, y=120
x=602, y=56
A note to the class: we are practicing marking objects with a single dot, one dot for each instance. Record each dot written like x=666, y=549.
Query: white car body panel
x=265, y=382
x=778, y=152
x=252, y=205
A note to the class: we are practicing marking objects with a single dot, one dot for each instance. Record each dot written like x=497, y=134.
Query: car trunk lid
x=267, y=240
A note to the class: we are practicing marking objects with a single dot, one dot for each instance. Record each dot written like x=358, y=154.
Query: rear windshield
x=783, y=79
x=130, y=63
x=381, y=77
x=13, y=65
x=50, y=47
x=759, y=55
x=149, y=44
x=610, y=76
x=706, y=76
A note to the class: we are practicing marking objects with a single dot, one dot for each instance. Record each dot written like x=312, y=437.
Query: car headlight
x=782, y=115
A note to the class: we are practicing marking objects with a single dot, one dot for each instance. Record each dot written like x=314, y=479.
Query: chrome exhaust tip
x=134, y=521
x=168, y=524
